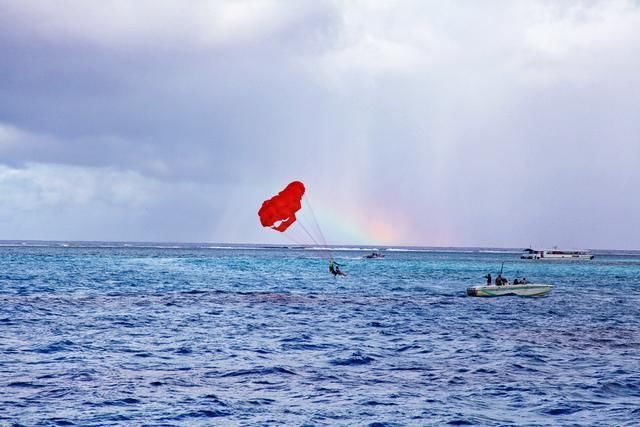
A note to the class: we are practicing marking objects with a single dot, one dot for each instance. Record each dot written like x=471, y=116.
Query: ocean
x=171, y=335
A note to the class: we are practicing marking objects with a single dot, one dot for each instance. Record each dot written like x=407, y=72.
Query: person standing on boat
x=488, y=277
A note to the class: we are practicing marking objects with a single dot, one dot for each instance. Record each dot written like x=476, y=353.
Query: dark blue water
x=200, y=336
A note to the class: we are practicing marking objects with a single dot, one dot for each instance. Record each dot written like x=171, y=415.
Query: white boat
x=556, y=254
x=525, y=290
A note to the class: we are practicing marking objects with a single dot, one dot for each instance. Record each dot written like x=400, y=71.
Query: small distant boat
x=374, y=255
x=523, y=290
x=556, y=254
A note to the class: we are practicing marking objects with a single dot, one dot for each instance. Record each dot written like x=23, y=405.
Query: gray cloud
x=451, y=124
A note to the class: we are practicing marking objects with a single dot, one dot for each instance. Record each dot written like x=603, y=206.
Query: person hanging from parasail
x=334, y=268
x=279, y=213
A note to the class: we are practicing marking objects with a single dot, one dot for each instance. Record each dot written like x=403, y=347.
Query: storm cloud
x=493, y=124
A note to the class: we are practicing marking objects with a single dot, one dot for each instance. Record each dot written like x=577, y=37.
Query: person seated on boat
x=488, y=277
x=516, y=281
x=524, y=281
x=499, y=280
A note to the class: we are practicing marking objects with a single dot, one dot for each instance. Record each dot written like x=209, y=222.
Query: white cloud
x=576, y=42
x=14, y=139
x=62, y=202
x=528, y=42
x=44, y=186
x=160, y=23
x=562, y=31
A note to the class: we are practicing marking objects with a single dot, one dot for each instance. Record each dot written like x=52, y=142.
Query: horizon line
x=275, y=245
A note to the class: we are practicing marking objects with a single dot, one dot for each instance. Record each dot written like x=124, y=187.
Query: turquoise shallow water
x=95, y=334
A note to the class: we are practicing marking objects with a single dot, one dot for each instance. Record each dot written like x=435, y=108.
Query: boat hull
x=559, y=257
x=556, y=255
x=529, y=290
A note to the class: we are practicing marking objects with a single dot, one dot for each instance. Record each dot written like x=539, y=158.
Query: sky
x=425, y=123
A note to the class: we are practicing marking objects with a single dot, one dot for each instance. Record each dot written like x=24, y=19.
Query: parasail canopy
x=279, y=212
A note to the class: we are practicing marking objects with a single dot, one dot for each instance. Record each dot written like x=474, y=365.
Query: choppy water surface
x=201, y=336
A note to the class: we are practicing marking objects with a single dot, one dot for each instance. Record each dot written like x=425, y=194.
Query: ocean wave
x=357, y=358
x=231, y=247
x=340, y=248
x=454, y=250
x=242, y=248
x=257, y=372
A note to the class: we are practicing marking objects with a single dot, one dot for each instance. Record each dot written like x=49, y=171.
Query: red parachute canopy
x=279, y=212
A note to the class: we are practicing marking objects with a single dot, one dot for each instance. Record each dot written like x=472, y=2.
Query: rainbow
x=344, y=225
